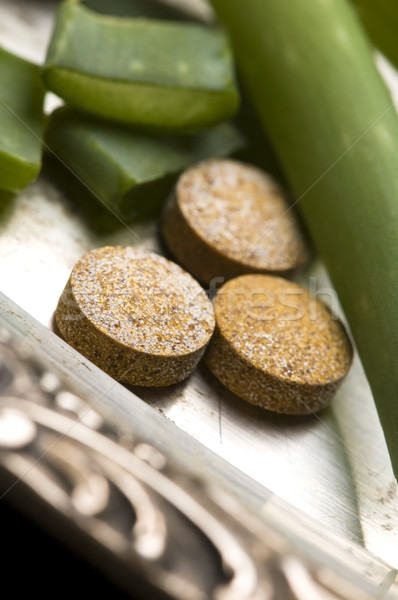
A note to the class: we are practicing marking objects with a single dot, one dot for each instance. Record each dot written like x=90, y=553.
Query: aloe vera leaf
x=130, y=172
x=152, y=9
x=158, y=75
x=21, y=121
x=380, y=18
x=308, y=66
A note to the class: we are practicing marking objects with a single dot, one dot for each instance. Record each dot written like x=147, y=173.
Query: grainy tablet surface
x=138, y=316
x=226, y=218
x=276, y=346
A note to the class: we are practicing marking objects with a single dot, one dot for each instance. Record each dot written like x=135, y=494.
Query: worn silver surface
x=118, y=497
x=334, y=467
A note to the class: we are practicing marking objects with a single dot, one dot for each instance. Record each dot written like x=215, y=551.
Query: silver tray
x=322, y=484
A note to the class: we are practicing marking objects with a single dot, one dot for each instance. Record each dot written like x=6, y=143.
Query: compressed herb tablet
x=157, y=75
x=226, y=218
x=276, y=346
x=136, y=315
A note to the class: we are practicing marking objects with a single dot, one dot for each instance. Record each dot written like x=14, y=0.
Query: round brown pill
x=226, y=218
x=277, y=346
x=138, y=316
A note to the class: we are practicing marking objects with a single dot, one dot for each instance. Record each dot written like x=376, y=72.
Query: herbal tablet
x=227, y=218
x=277, y=346
x=136, y=315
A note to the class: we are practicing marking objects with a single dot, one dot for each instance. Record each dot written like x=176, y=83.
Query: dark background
x=35, y=563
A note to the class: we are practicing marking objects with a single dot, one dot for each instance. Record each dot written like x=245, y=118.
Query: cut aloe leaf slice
x=21, y=121
x=128, y=172
x=152, y=9
x=158, y=75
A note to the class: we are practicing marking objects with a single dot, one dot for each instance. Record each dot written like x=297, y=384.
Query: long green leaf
x=380, y=18
x=308, y=66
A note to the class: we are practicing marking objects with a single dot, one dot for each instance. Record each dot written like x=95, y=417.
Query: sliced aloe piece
x=153, y=9
x=21, y=121
x=158, y=75
x=129, y=172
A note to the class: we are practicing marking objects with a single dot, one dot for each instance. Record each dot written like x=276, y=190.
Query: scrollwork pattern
x=164, y=532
